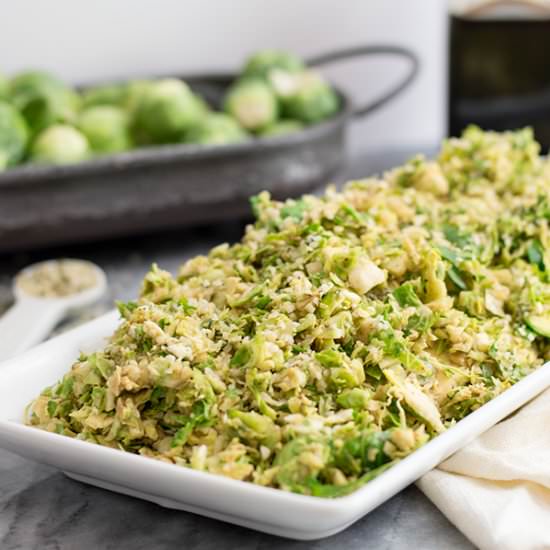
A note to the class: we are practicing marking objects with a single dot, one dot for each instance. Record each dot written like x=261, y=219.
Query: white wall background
x=103, y=39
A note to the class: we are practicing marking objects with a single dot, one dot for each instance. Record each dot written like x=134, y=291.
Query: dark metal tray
x=174, y=185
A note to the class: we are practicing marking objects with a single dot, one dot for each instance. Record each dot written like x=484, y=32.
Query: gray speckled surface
x=42, y=509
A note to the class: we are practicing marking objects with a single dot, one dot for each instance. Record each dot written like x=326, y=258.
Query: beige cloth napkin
x=497, y=489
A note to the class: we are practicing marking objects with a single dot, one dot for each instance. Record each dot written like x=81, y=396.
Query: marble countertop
x=42, y=509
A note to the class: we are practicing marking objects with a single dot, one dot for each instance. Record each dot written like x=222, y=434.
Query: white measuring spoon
x=32, y=318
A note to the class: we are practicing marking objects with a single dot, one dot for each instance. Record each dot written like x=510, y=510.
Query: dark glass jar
x=499, y=68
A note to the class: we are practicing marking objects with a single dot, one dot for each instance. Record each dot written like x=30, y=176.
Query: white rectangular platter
x=265, y=509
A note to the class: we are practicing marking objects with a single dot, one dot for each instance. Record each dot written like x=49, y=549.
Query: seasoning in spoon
x=57, y=278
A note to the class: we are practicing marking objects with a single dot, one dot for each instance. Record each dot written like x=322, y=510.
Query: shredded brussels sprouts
x=340, y=334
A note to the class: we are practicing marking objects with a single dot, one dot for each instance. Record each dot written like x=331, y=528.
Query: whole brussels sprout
x=216, y=129
x=252, y=103
x=125, y=95
x=13, y=135
x=135, y=90
x=310, y=99
x=106, y=128
x=42, y=99
x=4, y=87
x=110, y=94
x=165, y=111
x=202, y=106
x=263, y=62
x=282, y=127
x=60, y=144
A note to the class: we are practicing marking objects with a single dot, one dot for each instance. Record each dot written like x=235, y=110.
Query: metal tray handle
x=374, y=50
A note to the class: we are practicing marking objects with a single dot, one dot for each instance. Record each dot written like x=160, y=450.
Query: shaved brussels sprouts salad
x=342, y=333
